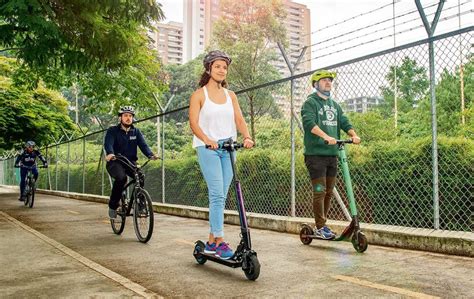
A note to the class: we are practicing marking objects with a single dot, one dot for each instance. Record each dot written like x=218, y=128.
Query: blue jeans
x=23, y=173
x=217, y=171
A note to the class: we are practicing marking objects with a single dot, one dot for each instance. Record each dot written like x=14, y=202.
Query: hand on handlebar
x=248, y=142
x=355, y=139
x=329, y=140
x=110, y=157
x=154, y=157
x=211, y=144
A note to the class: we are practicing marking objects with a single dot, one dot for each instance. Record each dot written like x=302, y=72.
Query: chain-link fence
x=385, y=95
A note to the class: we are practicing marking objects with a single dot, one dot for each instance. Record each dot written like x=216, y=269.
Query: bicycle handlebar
x=127, y=162
x=31, y=167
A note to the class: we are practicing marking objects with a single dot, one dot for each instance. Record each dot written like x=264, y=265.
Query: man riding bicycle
x=123, y=139
x=28, y=159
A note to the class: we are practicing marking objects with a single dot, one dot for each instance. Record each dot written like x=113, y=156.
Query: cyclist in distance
x=28, y=159
x=123, y=139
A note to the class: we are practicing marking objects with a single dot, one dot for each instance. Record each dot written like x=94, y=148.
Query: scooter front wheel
x=305, y=232
x=252, y=267
x=360, y=242
x=198, y=250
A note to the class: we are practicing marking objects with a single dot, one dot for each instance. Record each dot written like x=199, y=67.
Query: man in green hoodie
x=323, y=120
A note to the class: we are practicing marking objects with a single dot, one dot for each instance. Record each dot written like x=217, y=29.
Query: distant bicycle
x=30, y=185
x=139, y=201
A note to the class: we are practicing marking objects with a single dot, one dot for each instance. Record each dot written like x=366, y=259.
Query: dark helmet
x=30, y=143
x=126, y=109
x=213, y=56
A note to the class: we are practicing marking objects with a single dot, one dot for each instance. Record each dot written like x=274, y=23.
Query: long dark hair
x=205, y=77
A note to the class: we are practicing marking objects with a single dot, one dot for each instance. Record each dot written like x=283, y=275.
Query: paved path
x=66, y=248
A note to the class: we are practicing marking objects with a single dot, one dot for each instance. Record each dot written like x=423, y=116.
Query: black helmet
x=126, y=109
x=213, y=56
x=30, y=143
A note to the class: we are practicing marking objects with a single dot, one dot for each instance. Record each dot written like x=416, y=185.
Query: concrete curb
x=440, y=241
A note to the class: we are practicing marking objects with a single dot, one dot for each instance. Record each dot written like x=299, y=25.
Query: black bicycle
x=139, y=201
x=30, y=186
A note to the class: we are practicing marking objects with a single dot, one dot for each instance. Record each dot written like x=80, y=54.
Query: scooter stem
x=240, y=205
x=347, y=179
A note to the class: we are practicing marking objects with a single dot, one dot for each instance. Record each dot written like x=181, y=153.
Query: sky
x=354, y=16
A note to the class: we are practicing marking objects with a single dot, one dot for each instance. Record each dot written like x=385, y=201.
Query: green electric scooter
x=351, y=232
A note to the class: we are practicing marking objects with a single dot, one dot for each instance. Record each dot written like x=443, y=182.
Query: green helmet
x=320, y=74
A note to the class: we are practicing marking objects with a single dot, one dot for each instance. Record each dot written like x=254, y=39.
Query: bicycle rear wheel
x=143, y=215
x=118, y=224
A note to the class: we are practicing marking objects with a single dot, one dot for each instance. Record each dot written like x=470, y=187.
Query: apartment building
x=168, y=40
x=200, y=15
x=360, y=104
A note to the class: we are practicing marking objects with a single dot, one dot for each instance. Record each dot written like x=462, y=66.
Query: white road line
x=383, y=287
x=127, y=283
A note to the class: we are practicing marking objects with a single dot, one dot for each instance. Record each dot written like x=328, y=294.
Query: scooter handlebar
x=340, y=141
x=229, y=145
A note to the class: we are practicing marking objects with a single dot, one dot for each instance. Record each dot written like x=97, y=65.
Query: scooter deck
x=338, y=238
x=231, y=262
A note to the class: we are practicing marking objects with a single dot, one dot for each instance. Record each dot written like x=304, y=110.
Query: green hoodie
x=328, y=116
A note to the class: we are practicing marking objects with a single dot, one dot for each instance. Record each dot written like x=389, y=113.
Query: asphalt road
x=66, y=248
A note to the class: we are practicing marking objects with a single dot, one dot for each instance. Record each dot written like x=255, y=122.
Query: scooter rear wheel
x=198, y=250
x=305, y=232
x=252, y=271
x=360, y=243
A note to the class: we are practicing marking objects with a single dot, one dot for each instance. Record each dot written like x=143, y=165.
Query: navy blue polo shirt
x=118, y=141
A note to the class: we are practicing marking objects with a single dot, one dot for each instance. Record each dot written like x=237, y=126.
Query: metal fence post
x=163, y=187
x=292, y=69
x=163, y=110
x=57, y=162
x=68, y=163
x=430, y=29
x=83, y=164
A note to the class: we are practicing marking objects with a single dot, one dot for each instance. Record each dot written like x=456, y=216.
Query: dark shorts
x=321, y=166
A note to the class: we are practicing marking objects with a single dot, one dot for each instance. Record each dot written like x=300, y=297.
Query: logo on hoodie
x=331, y=113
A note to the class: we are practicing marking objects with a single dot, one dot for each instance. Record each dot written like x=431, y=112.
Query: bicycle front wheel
x=27, y=193
x=143, y=215
x=31, y=195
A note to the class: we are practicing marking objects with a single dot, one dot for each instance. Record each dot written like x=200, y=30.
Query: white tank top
x=217, y=121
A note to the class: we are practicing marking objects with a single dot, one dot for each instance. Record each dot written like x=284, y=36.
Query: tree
x=183, y=81
x=248, y=33
x=417, y=122
x=39, y=114
x=101, y=46
x=412, y=86
x=75, y=34
x=448, y=99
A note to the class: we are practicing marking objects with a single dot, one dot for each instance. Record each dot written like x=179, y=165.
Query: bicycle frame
x=135, y=181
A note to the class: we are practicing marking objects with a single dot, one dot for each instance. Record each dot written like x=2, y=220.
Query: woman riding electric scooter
x=215, y=116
